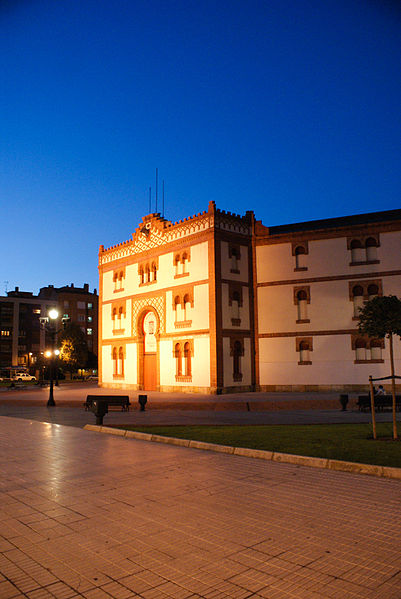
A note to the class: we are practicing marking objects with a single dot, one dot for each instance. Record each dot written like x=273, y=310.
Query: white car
x=23, y=376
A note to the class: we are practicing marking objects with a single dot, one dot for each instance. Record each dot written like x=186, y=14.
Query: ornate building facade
x=218, y=302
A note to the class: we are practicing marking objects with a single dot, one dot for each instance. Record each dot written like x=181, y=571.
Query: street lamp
x=49, y=324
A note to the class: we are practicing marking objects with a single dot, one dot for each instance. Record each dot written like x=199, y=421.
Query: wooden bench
x=111, y=400
x=382, y=403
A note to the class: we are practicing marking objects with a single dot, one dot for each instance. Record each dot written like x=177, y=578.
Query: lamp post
x=49, y=324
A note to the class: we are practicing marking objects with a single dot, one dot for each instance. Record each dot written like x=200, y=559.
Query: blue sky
x=290, y=108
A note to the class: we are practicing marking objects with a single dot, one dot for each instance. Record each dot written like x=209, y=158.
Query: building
x=80, y=306
x=22, y=338
x=219, y=302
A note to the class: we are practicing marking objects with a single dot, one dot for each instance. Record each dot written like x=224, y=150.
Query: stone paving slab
x=101, y=516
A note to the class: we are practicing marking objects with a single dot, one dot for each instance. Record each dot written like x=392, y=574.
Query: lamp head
x=53, y=313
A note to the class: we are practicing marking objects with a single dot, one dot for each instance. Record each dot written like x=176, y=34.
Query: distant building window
x=364, y=250
x=66, y=304
x=367, y=350
x=363, y=291
x=81, y=317
x=90, y=306
x=90, y=318
x=81, y=305
x=237, y=352
x=234, y=254
x=301, y=300
x=371, y=249
x=357, y=296
x=299, y=251
x=304, y=347
x=36, y=310
x=5, y=333
x=89, y=331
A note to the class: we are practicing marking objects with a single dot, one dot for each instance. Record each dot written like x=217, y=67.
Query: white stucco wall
x=130, y=366
x=332, y=362
x=107, y=365
x=326, y=257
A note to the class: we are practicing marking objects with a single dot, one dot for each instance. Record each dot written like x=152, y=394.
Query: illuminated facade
x=219, y=303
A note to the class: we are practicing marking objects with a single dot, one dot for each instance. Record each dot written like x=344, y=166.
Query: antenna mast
x=156, y=189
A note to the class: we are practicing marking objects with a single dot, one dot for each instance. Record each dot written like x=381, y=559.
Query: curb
x=274, y=456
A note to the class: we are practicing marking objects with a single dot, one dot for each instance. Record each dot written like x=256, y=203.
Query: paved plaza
x=85, y=514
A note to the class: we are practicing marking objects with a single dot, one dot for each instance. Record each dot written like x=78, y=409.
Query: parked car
x=92, y=377
x=23, y=376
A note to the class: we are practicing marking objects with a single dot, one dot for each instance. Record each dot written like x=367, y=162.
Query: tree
x=73, y=348
x=380, y=318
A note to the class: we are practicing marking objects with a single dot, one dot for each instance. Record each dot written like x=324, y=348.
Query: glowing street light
x=45, y=321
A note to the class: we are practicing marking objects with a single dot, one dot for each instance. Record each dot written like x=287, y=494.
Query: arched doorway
x=149, y=330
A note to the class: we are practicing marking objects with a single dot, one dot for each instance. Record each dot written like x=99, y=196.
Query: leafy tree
x=380, y=318
x=73, y=348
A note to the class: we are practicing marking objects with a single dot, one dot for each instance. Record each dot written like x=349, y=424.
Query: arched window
x=300, y=254
x=141, y=275
x=187, y=359
x=187, y=307
x=357, y=298
x=120, y=369
x=373, y=291
x=371, y=249
x=234, y=259
x=154, y=272
x=115, y=280
x=115, y=361
x=237, y=353
x=114, y=316
x=177, y=265
x=178, y=359
x=357, y=251
x=304, y=352
x=147, y=270
x=376, y=349
x=177, y=308
x=360, y=349
x=235, y=302
x=184, y=262
x=302, y=303
x=120, y=313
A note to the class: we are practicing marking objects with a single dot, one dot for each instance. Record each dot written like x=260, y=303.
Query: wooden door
x=150, y=372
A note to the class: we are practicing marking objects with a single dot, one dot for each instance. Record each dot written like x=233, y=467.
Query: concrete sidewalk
x=97, y=516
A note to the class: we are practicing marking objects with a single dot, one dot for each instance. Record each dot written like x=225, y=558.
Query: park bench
x=111, y=400
x=382, y=403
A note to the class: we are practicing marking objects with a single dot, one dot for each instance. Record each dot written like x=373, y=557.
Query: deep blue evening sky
x=290, y=108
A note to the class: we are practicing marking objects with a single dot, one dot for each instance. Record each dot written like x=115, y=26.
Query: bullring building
x=219, y=302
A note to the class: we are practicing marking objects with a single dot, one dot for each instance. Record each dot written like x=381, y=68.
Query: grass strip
x=350, y=442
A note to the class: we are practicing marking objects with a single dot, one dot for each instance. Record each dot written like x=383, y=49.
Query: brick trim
x=302, y=243
x=385, y=273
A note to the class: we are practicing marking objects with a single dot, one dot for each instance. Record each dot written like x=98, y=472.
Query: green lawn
x=350, y=442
